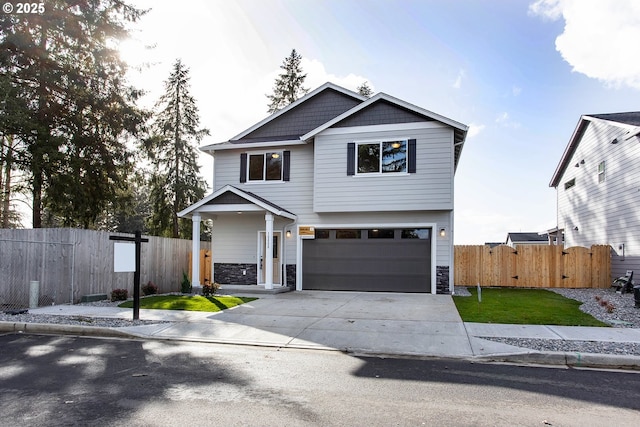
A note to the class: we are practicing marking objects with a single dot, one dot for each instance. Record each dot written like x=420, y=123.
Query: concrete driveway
x=411, y=324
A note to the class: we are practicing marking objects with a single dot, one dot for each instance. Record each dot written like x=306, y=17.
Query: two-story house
x=598, y=187
x=335, y=192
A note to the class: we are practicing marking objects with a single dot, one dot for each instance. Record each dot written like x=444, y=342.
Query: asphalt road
x=70, y=381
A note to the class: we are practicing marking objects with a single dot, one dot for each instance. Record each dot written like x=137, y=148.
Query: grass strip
x=189, y=302
x=523, y=307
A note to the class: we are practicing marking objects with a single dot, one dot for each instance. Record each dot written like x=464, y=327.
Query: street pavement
x=374, y=324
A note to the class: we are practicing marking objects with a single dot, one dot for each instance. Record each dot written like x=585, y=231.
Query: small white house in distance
x=598, y=187
x=335, y=192
x=515, y=239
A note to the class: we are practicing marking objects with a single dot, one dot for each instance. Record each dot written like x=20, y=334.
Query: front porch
x=251, y=244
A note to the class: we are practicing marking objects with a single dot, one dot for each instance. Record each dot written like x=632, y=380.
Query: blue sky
x=519, y=73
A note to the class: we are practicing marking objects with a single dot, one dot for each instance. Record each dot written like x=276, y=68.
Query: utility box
x=636, y=295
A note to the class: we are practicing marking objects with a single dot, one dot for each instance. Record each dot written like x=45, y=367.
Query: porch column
x=268, y=256
x=195, y=256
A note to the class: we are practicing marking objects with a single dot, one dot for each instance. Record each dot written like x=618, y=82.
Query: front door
x=276, y=256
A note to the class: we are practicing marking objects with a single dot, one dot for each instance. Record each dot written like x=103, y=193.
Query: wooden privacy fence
x=71, y=263
x=205, y=266
x=533, y=266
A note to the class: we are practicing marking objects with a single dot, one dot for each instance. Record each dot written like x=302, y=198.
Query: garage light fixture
x=288, y=234
x=443, y=232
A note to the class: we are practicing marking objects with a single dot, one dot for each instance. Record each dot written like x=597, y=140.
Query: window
x=382, y=157
x=416, y=233
x=601, y=169
x=321, y=234
x=569, y=184
x=383, y=233
x=271, y=166
x=348, y=234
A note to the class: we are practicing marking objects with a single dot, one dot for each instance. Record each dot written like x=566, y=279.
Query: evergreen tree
x=172, y=149
x=78, y=109
x=365, y=90
x=289, y=84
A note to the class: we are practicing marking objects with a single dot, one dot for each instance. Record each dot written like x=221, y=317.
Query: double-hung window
x=601, y=171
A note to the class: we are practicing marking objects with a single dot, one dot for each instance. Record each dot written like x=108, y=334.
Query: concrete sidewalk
x=382, y=324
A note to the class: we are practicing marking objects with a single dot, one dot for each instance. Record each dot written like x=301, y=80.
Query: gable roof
x=460, y=130
x=242, y=196
x=527, y=237
x=630, y=121
x=285, y=126
x=332, y=106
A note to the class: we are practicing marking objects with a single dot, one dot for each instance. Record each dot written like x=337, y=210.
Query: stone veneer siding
x=442, y=279
x=291, y=275
x=231, y=274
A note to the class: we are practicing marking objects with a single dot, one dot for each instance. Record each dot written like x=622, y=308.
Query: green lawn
x=522, y=306
x=188, y=302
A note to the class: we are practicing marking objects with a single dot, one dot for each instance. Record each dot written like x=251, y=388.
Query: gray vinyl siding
x=607, y=212
x=430, y=188
x=296, y=196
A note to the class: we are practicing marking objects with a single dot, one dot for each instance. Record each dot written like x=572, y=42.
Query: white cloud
x=317, y=75
x=474, y=130
x=505, y=121
x=458, y=83
x=515, y=90
x=600, y=37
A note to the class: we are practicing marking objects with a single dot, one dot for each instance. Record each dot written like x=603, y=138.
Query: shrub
x=119, y=294
x=149, y=289
x=209, y=289
x=186, y=284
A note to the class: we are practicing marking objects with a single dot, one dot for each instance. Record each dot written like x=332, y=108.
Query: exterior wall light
x=288, y=234
x=443, y=232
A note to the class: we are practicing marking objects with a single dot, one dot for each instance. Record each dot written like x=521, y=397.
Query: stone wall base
x=442, y=280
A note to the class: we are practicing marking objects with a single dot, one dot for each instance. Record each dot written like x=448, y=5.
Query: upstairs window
x=382, y=157
x=260, y=167
x=569, y=184
x=601, y=169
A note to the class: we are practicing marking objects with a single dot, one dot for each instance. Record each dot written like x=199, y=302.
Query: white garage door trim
x=434, y=239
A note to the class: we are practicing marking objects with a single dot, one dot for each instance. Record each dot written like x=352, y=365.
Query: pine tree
x=175, y=183
x=289, y=84
x=365, y=90
x=78, y=110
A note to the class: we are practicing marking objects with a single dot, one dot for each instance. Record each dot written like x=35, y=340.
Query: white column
x=195, y=257
x=268, y=256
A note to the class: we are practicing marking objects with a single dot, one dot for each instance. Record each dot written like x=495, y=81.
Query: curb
x=50, y=329
x=570, y=359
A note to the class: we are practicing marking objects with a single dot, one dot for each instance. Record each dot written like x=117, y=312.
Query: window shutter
x=243, y=167
x=286, y=165
x=351, y=158
x=411, y=160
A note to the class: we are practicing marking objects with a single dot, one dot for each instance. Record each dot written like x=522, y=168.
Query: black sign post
x=138, y=240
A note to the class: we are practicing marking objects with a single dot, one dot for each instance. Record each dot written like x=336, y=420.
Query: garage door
x=383, y=260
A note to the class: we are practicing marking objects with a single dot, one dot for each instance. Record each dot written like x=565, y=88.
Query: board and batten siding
x=604, y=212
x=430, y=188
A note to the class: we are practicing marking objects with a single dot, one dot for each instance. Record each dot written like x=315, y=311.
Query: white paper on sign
x=124, y=257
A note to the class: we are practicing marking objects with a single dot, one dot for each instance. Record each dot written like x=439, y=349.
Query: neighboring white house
x=598, y=187
x=335, y=192
x=515, y=239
